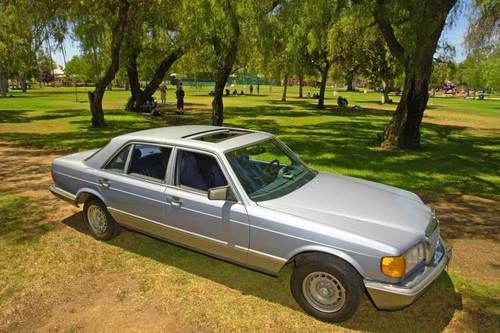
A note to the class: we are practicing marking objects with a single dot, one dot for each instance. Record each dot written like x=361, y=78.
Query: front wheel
x=101, y=224
x=327, y=288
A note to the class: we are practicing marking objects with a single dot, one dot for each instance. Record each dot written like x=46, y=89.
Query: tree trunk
x=4, y=86
x=217, y=104
x=220, y=82
x=226, y=51
x=404, y=129
x=285, y=86
x=96, y=96
x=385, y=91
x=322, y=88
x=349, y=79
x=160, y=72
x=301, y=86
x=137, y=99
x=95, y=100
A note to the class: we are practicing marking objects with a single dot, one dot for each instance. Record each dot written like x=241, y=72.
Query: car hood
x=375, y=211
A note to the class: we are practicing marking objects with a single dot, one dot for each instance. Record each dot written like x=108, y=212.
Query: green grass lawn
x=53, y=273
x=44, y=267
x=461, y=141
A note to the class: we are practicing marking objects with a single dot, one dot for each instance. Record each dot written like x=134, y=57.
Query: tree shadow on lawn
x=23, y=116
x=431, y=313
x=451, y=160
x=14, y=116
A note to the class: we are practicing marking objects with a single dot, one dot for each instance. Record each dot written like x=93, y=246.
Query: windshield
x=268, y=170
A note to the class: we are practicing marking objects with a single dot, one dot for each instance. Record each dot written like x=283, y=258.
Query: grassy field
x=55, y=277
x=461, y=141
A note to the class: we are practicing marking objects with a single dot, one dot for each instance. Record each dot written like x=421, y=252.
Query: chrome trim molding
x=62, y=194
x=135, y=221
x=240, y=255
x=393, y=297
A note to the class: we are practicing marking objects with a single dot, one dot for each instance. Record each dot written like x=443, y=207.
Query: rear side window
x=149, y=161
x=198, y=171
x=118, y=162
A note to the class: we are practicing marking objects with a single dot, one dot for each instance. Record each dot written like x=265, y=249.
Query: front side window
x=149, y=161
x=198, y=171
x=267, y=170
x=119, y=162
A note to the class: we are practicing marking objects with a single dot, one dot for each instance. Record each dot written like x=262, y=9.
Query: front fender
x=328, y=250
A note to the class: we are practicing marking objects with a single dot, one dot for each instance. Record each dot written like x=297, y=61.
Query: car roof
x=183, y=136
x=190, y=135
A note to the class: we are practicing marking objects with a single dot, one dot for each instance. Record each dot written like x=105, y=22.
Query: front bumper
x=393, y=297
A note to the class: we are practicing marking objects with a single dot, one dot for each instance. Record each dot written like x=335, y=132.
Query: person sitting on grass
x=342, y=102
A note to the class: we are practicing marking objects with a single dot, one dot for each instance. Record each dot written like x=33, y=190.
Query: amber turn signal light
x=393, y=266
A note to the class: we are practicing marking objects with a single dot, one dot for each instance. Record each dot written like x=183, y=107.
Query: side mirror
x=221, y=193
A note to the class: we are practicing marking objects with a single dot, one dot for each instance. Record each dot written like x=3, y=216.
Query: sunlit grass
x=63, y=266
x=460, y=137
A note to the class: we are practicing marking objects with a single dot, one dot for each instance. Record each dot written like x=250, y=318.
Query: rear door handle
x=175, y=201
x=104, y=183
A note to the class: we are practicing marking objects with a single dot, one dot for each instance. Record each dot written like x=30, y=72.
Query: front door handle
x=175, y=201
x=104, y=183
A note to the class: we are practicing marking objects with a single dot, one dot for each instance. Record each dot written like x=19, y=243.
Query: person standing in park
x=180, y=99
x=251, y=89
x=163, y=94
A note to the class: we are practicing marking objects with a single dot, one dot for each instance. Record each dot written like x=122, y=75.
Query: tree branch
x=397, y=50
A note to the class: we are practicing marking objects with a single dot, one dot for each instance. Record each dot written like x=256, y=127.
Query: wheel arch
x=301, y=254
x=83, y=194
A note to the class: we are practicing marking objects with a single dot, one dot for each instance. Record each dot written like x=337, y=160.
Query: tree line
x=141, y=40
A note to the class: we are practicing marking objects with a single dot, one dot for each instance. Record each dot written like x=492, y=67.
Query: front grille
x=431, y=238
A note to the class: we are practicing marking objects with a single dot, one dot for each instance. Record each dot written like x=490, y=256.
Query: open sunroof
x=218, y=136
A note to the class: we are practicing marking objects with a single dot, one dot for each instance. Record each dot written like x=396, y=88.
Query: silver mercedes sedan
x=245, y=197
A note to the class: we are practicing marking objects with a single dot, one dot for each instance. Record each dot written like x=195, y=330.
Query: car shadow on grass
x=431, y=313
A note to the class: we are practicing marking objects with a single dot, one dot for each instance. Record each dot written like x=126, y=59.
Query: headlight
x=397, y=267
x=414, y=256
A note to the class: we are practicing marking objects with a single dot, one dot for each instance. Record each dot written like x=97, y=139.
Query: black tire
x=109, y=230
x=344, y=276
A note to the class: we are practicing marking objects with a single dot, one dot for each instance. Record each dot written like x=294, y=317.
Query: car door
x=133, y=185
x=217, y=227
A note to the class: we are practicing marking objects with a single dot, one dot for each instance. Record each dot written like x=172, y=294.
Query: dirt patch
x=466, y=216
x=26, y=172
x=471, y=225
x=101, y=303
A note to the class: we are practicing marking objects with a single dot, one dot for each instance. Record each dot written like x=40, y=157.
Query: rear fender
x=84, y=193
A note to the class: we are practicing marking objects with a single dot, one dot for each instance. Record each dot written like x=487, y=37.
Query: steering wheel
x=272, y=166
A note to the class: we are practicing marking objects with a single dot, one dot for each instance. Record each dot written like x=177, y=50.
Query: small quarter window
x=118, y=162
x=198, y=171
x=149, y=161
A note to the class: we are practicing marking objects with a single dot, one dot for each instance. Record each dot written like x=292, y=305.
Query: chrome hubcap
x=97, y=219
x=324, y=292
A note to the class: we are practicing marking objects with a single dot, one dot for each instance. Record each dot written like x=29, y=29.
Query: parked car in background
x=245, y=197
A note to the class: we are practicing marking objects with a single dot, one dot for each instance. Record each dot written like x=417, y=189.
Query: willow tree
x=154, y=42
x=100, y=26
x=220, y=29
x=319, y=19
x=25, y=27
x=411, y=30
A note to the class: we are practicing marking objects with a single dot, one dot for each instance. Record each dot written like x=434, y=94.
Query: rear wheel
x=100, y=223
x=326, y=287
